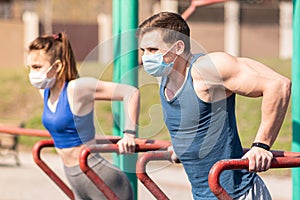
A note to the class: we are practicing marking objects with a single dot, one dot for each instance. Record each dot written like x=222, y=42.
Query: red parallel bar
x=237, y=164
x=197, y=3
x=277, y=153
x=36, y=152
x=142, y=145
x=107, y=139
x=24, y=131
x=143, y=176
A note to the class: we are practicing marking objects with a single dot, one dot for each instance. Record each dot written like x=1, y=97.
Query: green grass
x=20, y=102
x=249, y=112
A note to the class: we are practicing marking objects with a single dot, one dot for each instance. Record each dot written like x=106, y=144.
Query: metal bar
x=24, y=131
x=36, y=153
x=142, y=145
x=277, y=153
x=237, y=164
x=197, y=3
x=296, y=94
x=107, y=139
x=125, y=22
x=100, y=184
x=143, y=176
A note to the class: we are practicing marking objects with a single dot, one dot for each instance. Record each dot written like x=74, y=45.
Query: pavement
x=29, y=182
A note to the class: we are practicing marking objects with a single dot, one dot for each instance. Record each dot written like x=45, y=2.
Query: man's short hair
x=172, y=26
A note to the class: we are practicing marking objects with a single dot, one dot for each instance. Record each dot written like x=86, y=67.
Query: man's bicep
x=244, y=78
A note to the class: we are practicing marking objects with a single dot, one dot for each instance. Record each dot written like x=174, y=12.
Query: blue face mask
x=155, y=65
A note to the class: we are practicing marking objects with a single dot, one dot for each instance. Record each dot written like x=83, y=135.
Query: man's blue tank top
x=203, y=133
x=66, y=129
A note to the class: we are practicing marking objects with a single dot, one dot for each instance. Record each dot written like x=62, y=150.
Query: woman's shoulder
x=83, y=82
x=82, y=87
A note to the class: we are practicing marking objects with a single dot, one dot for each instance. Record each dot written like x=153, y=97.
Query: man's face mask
x=40, y=80
x=155, y=65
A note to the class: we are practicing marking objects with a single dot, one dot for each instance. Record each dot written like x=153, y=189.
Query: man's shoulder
x=213, y=68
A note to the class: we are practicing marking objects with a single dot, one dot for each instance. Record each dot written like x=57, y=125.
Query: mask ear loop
x=170, y=50
x=51, y=67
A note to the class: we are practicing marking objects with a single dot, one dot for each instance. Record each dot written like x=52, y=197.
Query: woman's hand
x=127, y=144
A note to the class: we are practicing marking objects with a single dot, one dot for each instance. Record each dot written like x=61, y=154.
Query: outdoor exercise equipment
x=103, y=145
x=24, y=131
x=143, y=176
x=238, y=164
x=142, y=145
x=36, y=153
x=198, y=3
x=296, y=94
x=125, y=65
x=282, y=159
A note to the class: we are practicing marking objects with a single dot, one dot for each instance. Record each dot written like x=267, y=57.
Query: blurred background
x=261, y=29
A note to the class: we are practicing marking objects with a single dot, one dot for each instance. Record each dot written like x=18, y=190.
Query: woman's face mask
x=155, y=65
x=40, y=80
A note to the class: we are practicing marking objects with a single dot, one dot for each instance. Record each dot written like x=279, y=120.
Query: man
x=198, y=99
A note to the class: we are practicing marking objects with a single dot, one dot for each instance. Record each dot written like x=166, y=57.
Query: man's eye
x=153, y=50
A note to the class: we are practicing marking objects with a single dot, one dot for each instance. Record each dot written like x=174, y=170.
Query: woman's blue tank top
x=203, y=133
x=66, y=129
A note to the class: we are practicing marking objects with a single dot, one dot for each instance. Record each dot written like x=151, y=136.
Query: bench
x=9, y=147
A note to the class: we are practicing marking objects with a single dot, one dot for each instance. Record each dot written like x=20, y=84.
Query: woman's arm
x=131, y=98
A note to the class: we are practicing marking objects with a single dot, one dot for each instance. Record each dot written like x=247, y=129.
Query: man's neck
x=180, y=68
x=177, y=77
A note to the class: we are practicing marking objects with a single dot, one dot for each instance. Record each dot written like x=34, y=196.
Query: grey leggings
x=84, y=189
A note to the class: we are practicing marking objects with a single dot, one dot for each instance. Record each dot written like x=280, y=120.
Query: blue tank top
x=203, y=133
x=66, y=129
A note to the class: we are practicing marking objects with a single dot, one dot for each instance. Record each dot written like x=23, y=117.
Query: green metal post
x=296, y=95
x=117, y=63
x=125, y=22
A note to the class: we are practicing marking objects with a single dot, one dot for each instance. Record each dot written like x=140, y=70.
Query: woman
x=69, y=109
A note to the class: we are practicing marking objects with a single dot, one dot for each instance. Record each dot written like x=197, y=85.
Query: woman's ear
x=58, y=65
x=180, y=47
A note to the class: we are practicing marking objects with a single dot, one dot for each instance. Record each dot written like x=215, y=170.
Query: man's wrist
x=261, y=145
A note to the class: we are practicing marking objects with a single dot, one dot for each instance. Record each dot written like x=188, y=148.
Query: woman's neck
x=55, y=91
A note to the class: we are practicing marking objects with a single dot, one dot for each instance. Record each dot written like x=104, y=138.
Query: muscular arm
x=253, y=79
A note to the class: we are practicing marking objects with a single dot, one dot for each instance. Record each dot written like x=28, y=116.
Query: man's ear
x=180, y=47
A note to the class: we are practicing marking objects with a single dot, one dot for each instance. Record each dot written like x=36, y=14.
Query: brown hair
x=172, y=25
x=58, y=47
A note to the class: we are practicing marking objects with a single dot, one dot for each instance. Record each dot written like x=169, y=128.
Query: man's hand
x=259, y=159
x=127, y=144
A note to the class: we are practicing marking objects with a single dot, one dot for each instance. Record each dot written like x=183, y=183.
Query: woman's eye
x=36, y=66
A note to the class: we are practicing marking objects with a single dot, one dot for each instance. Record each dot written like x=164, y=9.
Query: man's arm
x=253, y=79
